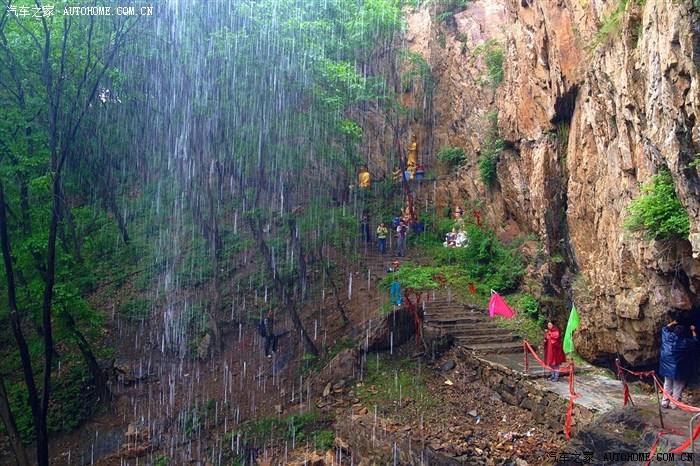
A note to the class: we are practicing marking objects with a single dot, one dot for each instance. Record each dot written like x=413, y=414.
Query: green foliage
x=488, y=262
x=163, y=460
x=421, y=278
x=417, y=72
x=297, y=428
x=530, y=307
x=135, y=310
x=323, y=439
x=444, y=16
x=493, y=53
x=527, y=325
x=611, y=26
x=491, y=148
x=694, y=163
x=454, y=157
x=73, y=401
x=658, y=212
x=190, y=421
x=446, y=9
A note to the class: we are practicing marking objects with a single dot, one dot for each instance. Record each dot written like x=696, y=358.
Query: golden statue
x=412, y=157
x=364, y=178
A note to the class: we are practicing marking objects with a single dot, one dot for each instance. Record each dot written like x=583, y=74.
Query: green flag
x=570, y=327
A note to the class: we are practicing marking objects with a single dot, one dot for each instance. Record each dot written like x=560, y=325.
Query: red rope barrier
x=572, y=394
x=653, y=448
x=626, y=388
x=416, y=318
x=668, y=396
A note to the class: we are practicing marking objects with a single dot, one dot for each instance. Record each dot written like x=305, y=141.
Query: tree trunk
x=96, y=371
x=338, y=305
x=34, y=403
x=11, y=427
x=287, y=299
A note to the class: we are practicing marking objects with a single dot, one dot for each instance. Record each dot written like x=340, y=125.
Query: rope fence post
x=658, y=405
x=527, y=363
x=690, y=435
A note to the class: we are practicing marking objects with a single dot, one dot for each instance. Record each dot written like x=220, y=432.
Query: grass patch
x=296, y=428
x=391, y=382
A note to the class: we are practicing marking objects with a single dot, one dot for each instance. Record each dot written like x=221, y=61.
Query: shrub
x=493, y=58
x=452, y=156
x=611, y=26
x=529, y=306
x=487, y=260
x=323, y=439
x=658, y=212
x=492, y=147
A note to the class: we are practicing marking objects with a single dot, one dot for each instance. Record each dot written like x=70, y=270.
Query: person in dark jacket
x=364, y=227
x=675, y=361
x=270, y=337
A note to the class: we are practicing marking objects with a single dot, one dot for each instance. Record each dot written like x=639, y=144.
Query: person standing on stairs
x=401, y=233
x=395, y=292
x=382, y=233
x=553, y=350
x=364, y=227
x=675, y=363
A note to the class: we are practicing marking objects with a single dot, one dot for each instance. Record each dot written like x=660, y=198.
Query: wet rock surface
x=586, y=121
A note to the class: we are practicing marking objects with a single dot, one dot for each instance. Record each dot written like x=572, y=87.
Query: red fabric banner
x=500, y=307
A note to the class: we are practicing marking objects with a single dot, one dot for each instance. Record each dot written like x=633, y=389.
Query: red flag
x=472, y=288
x=498, y=306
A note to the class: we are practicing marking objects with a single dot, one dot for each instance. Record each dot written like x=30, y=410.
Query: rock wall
x=587, y=116
x=547, y=407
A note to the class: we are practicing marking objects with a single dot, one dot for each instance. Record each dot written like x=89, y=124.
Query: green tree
x=52, y=70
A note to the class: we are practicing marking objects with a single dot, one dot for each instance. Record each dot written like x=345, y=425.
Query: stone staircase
x=470, y=326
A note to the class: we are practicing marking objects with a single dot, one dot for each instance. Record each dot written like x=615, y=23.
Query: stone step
x=454, y=312
x=495, y=348
x=473, y=329
x=455, y=320
x=450, y=310
x=493, y=338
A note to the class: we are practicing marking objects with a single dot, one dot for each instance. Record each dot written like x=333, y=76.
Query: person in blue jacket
x=396, y=293
x=675, y=363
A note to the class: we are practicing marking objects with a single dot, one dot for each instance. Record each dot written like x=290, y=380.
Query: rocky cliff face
x=597, y=96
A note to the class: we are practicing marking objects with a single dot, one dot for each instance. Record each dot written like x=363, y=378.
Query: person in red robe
x=553, y=350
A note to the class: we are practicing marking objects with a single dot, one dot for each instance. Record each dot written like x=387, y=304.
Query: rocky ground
x=459, y=416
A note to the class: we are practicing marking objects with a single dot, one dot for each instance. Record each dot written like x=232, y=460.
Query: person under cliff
x=553, y=350
x=675, y=363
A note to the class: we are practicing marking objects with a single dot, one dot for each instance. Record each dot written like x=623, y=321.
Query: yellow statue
x=412, y=157
x=364, y=178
